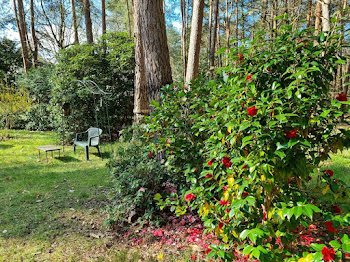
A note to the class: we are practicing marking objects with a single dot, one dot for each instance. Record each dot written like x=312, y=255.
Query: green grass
x=44, y=202
x=52, y=211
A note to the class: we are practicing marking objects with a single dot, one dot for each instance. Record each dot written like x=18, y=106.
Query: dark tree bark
x=141, y=104
x=74, y=20
x=183, y=36
x=88, y=23
x=103, y=7
x=32, y=31
x=21, y=25
x=195, y=40
x=152, y=53
x=214, y=35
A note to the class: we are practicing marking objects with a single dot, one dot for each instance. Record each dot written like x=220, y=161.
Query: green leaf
x=281, y=154
x=335, y=244
x=307, y=210
x=247, y=250
x=317, y=247
x=298, y=211
x=244, y=234
x=244, y=125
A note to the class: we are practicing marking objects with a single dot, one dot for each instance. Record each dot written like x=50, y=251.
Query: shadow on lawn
x=68, y=159
x=4, y=146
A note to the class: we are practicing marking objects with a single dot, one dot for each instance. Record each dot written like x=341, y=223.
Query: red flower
x=291, y=133
x=227, y=210
x=209, y=176
x=240, y=57
x=307, y=239
x=330, y=227
x=226, y=161
x=224, y=188
x=342, y=97
x=207, y=251
x=328, y=172
x=336, y=209
x=190, y=197
x=310, y=178
x=224, y=202
x=249, y=77
x=245, y=194
x=193, y=257
x=328, y=254
x=265, y=216
x=210, y=163
x=252, y=111
x=221, y=225
x=150, y=154
x=244, y=167
x=268, y=69
x=347, y=255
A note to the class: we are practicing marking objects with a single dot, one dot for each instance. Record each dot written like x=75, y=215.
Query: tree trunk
x=155, y=46
x=318, y=14
x=141, y=104
x=20, y=25
x=195, y=40
x=214, y=36
x=309, y=14
x=236, y=22
x=183, y=37
x=74, y=20
x=129, y=20
x=210, y=29
x=325, y=16
x=103, y=7
x=228, y=29
x=88, y=23
x=32, y=31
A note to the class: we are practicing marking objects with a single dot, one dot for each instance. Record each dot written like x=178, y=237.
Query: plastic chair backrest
x=94, y=133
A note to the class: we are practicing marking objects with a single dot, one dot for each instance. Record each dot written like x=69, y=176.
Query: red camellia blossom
x=226, y=161
x=221, y=225
x=265, y=216
x=150, y=154
x=249, y=77
x=328, y=172
x=330, y=227
x=342, y=97
x=328, y=254
x=347, y=255
x=245, y=194
x=209, y=176
x=291, y=133
x=224, y=202
x=268, y=69
x=207, y=251
x=336, y=209
x=240, y=57
x=210, y=163
x=190, y=197
x=252, y=111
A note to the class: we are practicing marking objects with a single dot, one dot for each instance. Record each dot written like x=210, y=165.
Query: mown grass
x=54, y=211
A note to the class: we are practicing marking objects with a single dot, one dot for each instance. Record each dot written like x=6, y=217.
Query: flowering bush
x=249, y=142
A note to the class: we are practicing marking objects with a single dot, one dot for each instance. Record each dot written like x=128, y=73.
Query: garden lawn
x=52, y=211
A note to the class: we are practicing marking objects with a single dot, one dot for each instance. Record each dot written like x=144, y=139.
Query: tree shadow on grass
x=68, y=159
x=5, y=146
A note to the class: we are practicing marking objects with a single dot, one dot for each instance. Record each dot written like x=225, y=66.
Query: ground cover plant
x=258, y=135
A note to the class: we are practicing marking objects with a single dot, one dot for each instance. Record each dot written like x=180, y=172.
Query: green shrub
x=249, y=141
x=137, y=177
x=39, y=85
x=110, y=64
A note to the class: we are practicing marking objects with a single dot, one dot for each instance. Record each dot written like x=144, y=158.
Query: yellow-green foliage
x=13, y=100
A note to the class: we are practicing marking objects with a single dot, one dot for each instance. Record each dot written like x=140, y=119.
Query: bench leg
x=87, y=152
x=74, y=148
